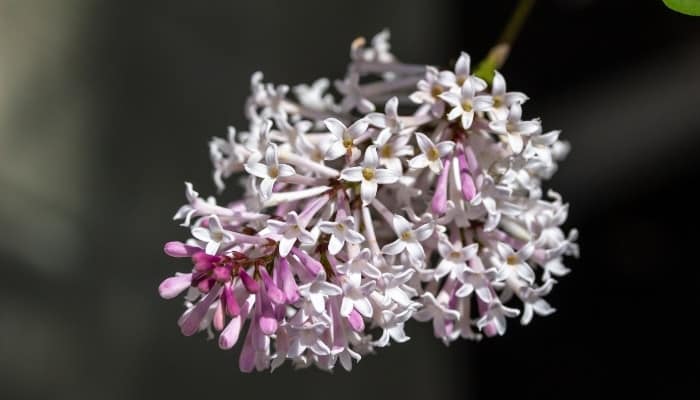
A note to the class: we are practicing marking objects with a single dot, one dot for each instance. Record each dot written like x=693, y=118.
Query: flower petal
x=394, y=248
x=352, y=174
x=336, y=127
x=368, y=190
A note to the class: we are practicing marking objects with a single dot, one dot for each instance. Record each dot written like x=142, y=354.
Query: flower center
x=512, y=259
x=340, y=227
x=436, y=90
x=467, y=105
x=433, y=154
x=387, y=151
x=273, y=171
x=455, y=255
x=497, y=101
x=347, y=142
x=368, y=173
x=461, y=80
x=217, y=236
x=407, y=235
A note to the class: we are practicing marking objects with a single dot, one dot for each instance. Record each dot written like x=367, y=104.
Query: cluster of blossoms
x=354, y=221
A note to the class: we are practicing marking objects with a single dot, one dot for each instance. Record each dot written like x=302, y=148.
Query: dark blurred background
x=106, y=108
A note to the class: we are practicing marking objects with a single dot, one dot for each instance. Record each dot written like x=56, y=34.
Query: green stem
x=498, y=54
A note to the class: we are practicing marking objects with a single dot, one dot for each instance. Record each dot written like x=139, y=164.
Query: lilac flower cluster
x=355, y=220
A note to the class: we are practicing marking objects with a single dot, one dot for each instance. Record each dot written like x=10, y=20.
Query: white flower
x=214, y=235
x=352, y=94
x=465, y=104
x=395, y=288
x=431, y=154
x=392, y=149
x=290, y=230
x=462, y=75
x=408, y=239
x=392, y=325
x=502, y=99
x=389, y=121
x=534, y=303
x=369, y=175
x=308, y=336
x=227, y=156
x=454, y=257
x=318, y=290
x=477, y=280
x=513, y=129
x=438, y=313
x=270, y=171
x=314, y=96
x=360, y=265
x=496, y=316
x=356, y=296
x=429, y=90
x=341, y=231
x=514, y=264
x=344, y=138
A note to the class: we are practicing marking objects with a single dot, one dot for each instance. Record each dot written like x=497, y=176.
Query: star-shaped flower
x=318, y=290
x=502, y=99
x=341, y=231
x=270, y=171
x=514, y=263
x=454, y=257
x=357, y=297
x=439, y=313
x=431, y=154
x=496, y=315
x=513, y=129
x=462, y=74
x=214, y=235
x=369, y=175
x=290, y=230
x=344, y=138
x=360, y=265
x=389, y=121
x=409, y=239
x=465, y=104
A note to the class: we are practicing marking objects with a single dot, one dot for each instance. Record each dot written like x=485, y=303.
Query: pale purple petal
x=173, y=286
x=229, y=336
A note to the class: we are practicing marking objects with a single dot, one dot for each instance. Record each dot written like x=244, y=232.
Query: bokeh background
x=106, y=108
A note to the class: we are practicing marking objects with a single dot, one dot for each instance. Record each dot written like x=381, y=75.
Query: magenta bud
x=222, y=274
x=273, y=292
x=229, y=300
x=285, y=280
x=250, y=284
x=203, y=261
x=205, y=285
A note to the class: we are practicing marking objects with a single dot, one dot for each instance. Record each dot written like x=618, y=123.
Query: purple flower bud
x=174, y=285
x=250, y=284
x=179, y=249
